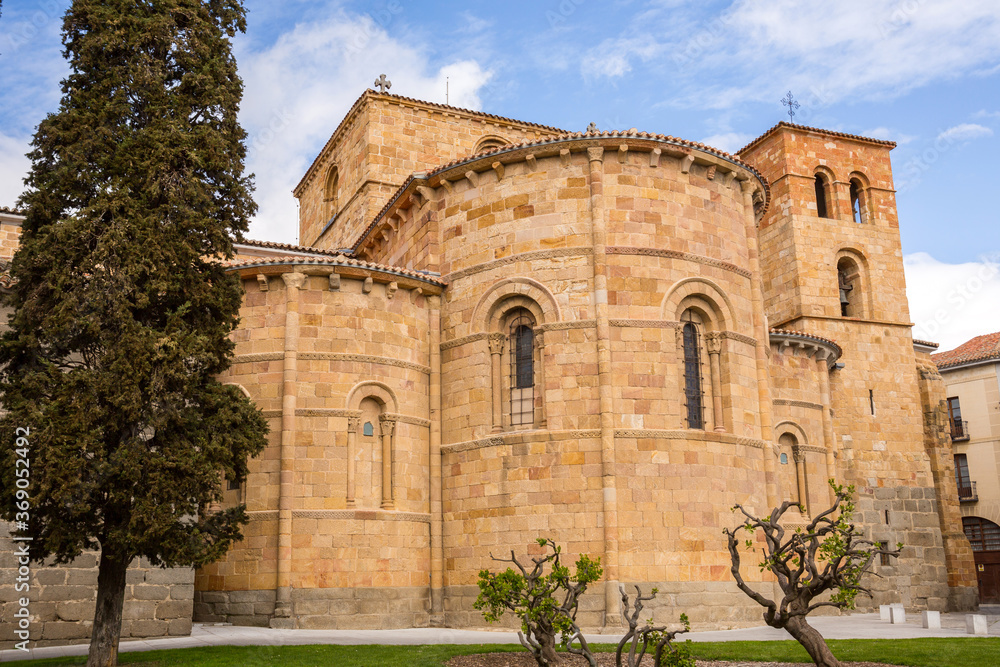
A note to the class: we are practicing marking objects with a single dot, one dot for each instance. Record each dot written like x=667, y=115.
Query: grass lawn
x=958, y=652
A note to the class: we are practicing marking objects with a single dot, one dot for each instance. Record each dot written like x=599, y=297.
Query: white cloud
x=13, y=167
x=729, y=142
x=983, y=113
x=299, y=89
x=964, y=132
x=824, y=52
x=612, y=57
x=952, y=303
x=888, y=134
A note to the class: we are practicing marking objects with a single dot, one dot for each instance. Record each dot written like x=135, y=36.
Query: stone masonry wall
x=158, y=601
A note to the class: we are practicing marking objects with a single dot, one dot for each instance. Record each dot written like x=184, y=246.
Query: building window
x=692, y=377
x=822, y=210
x=849, y=288
x=784, y=459
x=369, y=429
x=857, y=201
x=983, y=535
x=885, y=558
x=489, y=143
x=522, y=370
x=234, y=484
x=959, y=427
x=331, y=193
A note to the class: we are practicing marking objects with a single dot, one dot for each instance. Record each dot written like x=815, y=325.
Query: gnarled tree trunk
x=812, y=641
x=108, y=613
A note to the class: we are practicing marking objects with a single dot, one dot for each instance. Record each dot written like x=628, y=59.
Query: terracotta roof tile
x=274, y=245
x=806, y=128
x=926, y=343
x=337, y=260
x=11, y=210
x=803, y=334
x=980, y=348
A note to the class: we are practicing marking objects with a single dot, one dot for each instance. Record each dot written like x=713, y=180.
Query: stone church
x=496, y=331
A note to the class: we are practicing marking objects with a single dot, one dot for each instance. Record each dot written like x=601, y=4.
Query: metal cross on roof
x=383, y=84
x=792, y=105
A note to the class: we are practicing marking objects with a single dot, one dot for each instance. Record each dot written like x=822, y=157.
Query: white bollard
x=931, y=620
x=883, y=612
x=975, y=624
x=897, y=615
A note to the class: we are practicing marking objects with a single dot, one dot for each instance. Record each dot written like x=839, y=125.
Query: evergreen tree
x=122, y=308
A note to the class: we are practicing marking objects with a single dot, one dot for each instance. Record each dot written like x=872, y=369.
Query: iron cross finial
x=792, y=105
x=592, y=128
x=383, y=84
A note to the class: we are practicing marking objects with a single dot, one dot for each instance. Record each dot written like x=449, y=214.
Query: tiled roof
x=337, y=260
x=10, y=210
x=806, y=128
x=980, y=348
x=507, y=148
x=274, y=245
x=802, y=334
x=371, y=93
x=926, y=343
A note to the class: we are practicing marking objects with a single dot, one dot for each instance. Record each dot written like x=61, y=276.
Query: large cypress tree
x=122, y=308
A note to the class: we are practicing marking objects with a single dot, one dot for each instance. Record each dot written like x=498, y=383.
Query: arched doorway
x=984, y=536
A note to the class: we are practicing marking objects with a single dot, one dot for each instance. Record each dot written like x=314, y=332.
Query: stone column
x=286, y=491
x=713, y=341
x=539, y=336
x=829, y=442
x=496, y=341
x=800, y=478
x=352, y=452
x=612, y=598
x=760, y=330
x=388, y=426
x=437, y=545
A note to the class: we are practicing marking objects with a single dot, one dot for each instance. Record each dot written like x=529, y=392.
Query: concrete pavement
x=856, y=626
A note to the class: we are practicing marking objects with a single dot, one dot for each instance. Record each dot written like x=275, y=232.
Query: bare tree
x=531, y=595
x=639, y=640
x=828, y=554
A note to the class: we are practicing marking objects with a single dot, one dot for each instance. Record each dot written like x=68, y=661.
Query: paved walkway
x=856, y=626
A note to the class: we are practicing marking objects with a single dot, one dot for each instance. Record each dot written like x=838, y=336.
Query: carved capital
x=496, y=341
x=352, y=424
x=679, y=337
x=595, y=154
x=296, y=280
x=388, y=424
x=539, y=338
x=713, y=341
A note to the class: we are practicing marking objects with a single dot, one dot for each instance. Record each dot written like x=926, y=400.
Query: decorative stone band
x=811, y=448
x=785, y=340
x=551, y=326
x=581, y=251
x=333, y=356
x=352, y=514
x=646, y=324
x=797, y=404
x=676, y=254
x=518, y=437
x=337, y=412
x=664, y=434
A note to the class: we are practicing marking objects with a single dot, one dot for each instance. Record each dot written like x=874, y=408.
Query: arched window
x=849, y=288
x=693, y=395
x=858, y=201
x=331, y=192
x=784, y=459
x=822, y=209
x=983, y=535
x=522, y=369
x=489, y=143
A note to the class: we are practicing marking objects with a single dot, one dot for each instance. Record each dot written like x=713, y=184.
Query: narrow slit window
x=857, y=202
x=871, y=400
x=692, y=377
x=821, y=208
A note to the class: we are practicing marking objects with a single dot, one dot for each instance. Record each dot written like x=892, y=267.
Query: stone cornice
x=582, y=251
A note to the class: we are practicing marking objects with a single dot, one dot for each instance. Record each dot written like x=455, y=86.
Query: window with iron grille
x=692, y=377
x=522, y=370
x=983, y=535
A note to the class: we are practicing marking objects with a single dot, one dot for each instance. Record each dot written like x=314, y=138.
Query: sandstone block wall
x=158, y=601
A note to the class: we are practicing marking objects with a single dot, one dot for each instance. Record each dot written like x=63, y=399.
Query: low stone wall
x=158, y=602
x=321, y=608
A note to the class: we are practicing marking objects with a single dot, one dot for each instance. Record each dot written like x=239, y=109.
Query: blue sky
x=923, y=73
